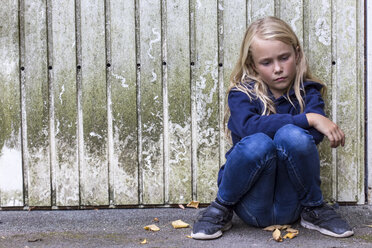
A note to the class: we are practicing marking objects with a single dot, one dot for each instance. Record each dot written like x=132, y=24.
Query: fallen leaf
x=369, y=225
x=156, y=219
x=284, y=227
x=193, y=204
x=277, y=236
x=181, y=206
x=188, y=236
x=144, y=241
x=290, y=235
x=291, y=230
x=152, y=227
x=2, y=237
x=179, y=224
x=272, y=228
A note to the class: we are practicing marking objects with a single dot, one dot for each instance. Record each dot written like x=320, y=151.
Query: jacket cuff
x=300, y=120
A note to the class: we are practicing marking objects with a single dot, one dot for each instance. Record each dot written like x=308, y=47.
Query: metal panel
x=36, y=104
x=123, y=102
x=178, y=182
x=151, y=103
x=94, y=169
x=11, y=182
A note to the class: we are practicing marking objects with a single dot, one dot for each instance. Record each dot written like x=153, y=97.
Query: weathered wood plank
x=151, y=102
x=260, y=8
x=291, y=11
x=345, y=97
x=94, y=170
x=36, y=103
x=205, y=105
x=179, y=99
x=10, y=110
x=66, y=174
x=124, y=106
x=317, y=46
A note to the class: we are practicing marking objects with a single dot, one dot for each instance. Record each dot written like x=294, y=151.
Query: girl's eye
x=265, y=63
x=284, y=58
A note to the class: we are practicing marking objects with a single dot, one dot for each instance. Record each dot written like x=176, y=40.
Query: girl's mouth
x=280, y=79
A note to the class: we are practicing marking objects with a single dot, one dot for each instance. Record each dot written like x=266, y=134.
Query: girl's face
x=275, y=63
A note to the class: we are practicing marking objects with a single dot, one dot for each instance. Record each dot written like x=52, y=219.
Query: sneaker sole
x=212, y=236
x=311, y=226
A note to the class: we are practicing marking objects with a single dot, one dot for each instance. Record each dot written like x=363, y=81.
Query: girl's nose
x=277, y=67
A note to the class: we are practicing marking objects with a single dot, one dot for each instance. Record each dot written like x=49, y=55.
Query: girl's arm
x=327, y=127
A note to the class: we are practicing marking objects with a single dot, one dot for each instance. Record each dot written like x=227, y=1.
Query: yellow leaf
x=369, y=225
x=290, y=235
x=193, y=204
x=181, y=206
x=179, y=224
x=291, y=230
x=156, y=219
x=188, y=236
x=144, y=241
x=152, y=227
x=272, y=228
x=277, y=236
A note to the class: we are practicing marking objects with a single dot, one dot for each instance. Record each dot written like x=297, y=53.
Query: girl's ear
x=298, y=54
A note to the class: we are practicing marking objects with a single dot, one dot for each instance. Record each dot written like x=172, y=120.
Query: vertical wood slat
x=259, y=8
x=291, y=11
x=65, y=105
x=36, y=103
x=94, y=170
x=317, y=45
x=124, y=107
x=179, y=102
x=10, y=119
x=347, y=98
x=206, y=94
x=151, y=102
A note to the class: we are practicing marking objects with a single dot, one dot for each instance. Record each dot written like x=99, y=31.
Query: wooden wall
x=120, y=102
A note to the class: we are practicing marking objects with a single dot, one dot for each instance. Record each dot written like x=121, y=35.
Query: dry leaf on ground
x=292, y=230
x=156, y=219
x=181, y=206
x=152, y=227
x=144, y=241
x=277, y=236
x=188, y=236
x=179, y=224
x=193, y=204
x=272, y=228
x=369, y=225
x=290, y=235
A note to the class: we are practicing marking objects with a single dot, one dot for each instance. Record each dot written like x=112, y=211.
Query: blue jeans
x=269, y=181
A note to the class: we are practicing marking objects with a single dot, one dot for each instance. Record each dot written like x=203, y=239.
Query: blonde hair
x=268, y=28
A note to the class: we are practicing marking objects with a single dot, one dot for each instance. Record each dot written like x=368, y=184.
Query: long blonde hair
x=268, y=28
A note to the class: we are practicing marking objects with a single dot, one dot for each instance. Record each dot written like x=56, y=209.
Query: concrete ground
x=124, y=228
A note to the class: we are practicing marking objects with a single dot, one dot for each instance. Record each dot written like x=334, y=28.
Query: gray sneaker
x=325, y=220
x=213, y=221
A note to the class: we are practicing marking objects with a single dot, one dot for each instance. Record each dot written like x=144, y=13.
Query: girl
x=276, y=119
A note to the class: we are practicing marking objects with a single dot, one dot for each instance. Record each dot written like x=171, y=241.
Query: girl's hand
x=327, y=127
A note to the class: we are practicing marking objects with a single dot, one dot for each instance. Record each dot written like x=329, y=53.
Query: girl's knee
x=257, y=147
x=294, y=138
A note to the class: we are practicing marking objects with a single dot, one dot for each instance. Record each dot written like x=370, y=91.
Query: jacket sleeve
x=246, y=118
x=314, y=104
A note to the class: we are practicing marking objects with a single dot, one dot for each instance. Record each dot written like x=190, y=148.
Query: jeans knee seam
x=292, y=167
